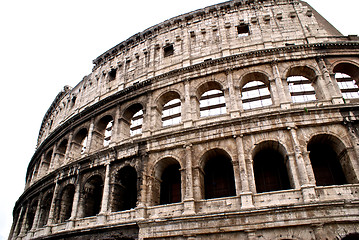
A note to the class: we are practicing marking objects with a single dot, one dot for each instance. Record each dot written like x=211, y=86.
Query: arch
x=104, y=130
x=167, y=181
x=133, y=117
x=169, y=105
x=300, y=80
x=347, y=77
x=269, y=166
x=328, y=155
x=80, y=142
x=64, y=203
x=218, y=175
x=255, y=90
x=45, y=209
x=351, y=236
x=47, y=161
x=125, y=189
x=62, y=147
x=31, y=214
x=211, y=99
x=92, y=196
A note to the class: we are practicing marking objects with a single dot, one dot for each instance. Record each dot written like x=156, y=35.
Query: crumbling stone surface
x=236, y=121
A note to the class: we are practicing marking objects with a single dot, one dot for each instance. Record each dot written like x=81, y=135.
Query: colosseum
x=236, y=121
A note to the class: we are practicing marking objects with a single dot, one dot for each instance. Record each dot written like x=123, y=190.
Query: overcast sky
x=45, y=45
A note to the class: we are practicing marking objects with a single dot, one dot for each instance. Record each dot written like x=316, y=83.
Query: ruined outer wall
x=285, y=38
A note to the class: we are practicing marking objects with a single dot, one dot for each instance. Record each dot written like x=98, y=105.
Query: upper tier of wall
x=186, y=40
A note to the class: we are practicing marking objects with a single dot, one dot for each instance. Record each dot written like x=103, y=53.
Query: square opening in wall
x=168, y=50
x=243, y=30
x=112, y=74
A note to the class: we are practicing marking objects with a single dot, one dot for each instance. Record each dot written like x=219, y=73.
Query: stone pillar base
x=101, y=219
x=70, y=224
x=189, y=207
x=187, y=123
x=141, y=212
x=246, y=200
x=309, y=194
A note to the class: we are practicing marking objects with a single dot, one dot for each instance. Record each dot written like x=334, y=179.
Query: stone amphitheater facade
x=235, y=121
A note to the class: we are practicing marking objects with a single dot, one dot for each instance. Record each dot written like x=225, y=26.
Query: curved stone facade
x=236, y=121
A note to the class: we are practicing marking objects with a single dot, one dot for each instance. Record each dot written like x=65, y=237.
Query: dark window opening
x=219, y=177
x=168, y=50
x=326, y=165
x=270, y=172
x=351, y=236
x=171, y=185
x=125, y=189
x=45, y=210
x=112, y=74
x=31, y=216
x=93, y=196
x=243, y=30
x=65, y=205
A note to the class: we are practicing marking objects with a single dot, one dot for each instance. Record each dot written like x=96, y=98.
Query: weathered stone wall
x=203, y=177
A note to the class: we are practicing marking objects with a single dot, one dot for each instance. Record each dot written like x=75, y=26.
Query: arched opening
x=218, y=176
x=300, y=84
x=170, y=107
x=45, y=210
x=31, y=215
x=136, y=123
x=327, y=154
x=80, y=142
x=171, y=184
x=125, y=189
x=347, y=76
x=65, y=203
x=60, y=152
x=132, y=120
x=269, y=166
x=92, y=196
x=301, y=89
x=211, y=100
x=351, y=236
x=20, y=221
x=255, y=92
x=105, y=126
x=167, y=182
x=46, y=162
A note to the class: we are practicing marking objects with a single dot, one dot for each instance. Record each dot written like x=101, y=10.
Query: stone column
x=115, y=136
x=233, y=95
x=283, y=100
x=187, y=108
x=51, y=219
x=274, y=93
x=102, y=217
x=319, y=232
x=189, y=204
x=17, y=227
x=68, y=156
x=89, y=136
x=37, y=213
x=52, y=163
x=246, y=194
x=309, y=168
x=354, y=152
x=75, y=204
x=333, y=88
x=24, y=221
x=186, y=43
x=293, y=170
x=251, y=234
x=308, y=190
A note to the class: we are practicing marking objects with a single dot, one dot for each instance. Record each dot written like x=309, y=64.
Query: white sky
x=45, y=45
